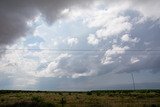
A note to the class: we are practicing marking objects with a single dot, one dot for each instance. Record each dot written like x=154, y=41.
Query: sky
x=78, y=45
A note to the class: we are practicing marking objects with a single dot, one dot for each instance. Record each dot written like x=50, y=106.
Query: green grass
x=99, y=98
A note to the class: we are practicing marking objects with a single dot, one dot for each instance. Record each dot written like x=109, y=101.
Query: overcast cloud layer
x=81, y=43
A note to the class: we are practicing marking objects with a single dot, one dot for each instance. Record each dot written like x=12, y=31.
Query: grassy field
x=118, y=98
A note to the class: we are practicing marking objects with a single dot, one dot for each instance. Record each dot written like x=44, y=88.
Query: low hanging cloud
x=65, y=65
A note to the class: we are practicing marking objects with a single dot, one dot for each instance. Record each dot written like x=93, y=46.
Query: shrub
x=98, y=93
x=31, y=104
x=37, y=99
x=63, y=101
x=89, y=93
x=60, y=93
x=69, y=93
x=2, y=100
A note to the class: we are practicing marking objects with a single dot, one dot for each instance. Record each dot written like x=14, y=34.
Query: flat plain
x=98, y=98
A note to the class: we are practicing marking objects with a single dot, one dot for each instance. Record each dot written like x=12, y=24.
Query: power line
x=82, y=50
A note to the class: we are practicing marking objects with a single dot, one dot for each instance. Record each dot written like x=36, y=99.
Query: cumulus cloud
x=109, y=22
x=54, y=68
x=21, y=76
x=148, y=8
x=72, y=41
x=14, y=18
x=109, y=29
x=127, y=38
x=65, y=65
x=92, y=39
x=111, y=53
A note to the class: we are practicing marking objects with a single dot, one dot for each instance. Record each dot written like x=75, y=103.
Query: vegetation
x=37, y=99
x=97, y=98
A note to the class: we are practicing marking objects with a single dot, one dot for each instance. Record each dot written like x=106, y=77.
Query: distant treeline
x=30, y=91
x=93, y=91
x=127, y=91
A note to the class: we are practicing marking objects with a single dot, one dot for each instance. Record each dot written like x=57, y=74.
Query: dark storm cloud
x=15, y=13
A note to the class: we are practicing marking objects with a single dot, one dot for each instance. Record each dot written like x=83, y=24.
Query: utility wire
x=81, y=50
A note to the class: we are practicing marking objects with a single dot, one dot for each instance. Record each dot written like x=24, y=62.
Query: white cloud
x=127, y=38
x=109, y=22
x=31, y=45
x=111, y=53
x=92, y=39
x=114, y=27
x=99, y=17
x=77, y=75
x=20, y=68
x=55, y=43
x=148, y=8
x=134, y=60
x=54, y=68
x=65, y=11
x=105, y=26
x=66, y=66
x=72, y=41
x=71, y=14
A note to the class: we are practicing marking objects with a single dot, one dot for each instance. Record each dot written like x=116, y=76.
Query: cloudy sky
x=79, y=44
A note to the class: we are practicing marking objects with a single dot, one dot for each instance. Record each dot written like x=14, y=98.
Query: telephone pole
x=134, y=87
